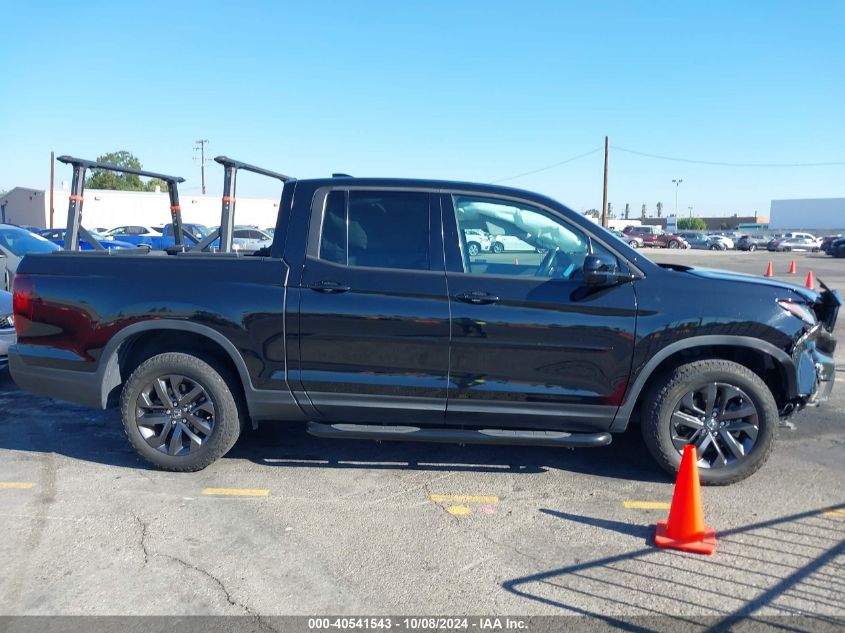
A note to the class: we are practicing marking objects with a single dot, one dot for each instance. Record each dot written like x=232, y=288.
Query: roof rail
x=227, y=213
x=75, y=230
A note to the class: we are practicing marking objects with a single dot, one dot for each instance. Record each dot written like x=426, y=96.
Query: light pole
x=690, y=211
x=677, y=184
x=201, y=147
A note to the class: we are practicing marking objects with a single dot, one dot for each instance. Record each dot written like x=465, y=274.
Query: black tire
x=226, y=423
x=633, y=244
x=666, y=394
x=752, y=247
x=498, y=247
x=714, y=247
x=673, y=244
x=473, y=248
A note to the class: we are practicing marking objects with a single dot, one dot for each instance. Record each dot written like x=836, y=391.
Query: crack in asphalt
x=143, y=540
x=220, y=584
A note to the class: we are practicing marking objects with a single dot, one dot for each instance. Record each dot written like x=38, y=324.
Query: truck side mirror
x=600, y=269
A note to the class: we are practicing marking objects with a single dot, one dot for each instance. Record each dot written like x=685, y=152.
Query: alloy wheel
x=174, y=414
x=720, y=420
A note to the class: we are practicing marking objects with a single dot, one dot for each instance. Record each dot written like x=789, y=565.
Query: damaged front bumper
x=813, y=352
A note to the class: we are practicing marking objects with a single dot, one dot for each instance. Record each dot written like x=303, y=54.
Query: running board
x=458, y=436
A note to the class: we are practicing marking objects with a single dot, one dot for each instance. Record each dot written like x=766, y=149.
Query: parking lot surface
x=291, y=524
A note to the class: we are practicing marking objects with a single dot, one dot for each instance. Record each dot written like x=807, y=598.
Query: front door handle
x=330, y=286
x=477, y=297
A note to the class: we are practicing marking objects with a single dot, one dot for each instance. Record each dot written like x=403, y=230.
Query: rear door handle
x=477, y=297
x=330, y=286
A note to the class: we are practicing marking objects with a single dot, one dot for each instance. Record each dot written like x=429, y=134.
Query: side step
x=458, y=436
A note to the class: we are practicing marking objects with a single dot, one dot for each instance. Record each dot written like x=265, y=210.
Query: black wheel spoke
x=745, y=410
x=688, y=401
x=710, y=392
x=733, y=445
x=679, y=417
x=749, y=429
x=192, y=395
x=199, y=423
x=161, y=391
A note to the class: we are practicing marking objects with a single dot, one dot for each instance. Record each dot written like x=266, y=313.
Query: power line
x=547, y=167
x=726, y=164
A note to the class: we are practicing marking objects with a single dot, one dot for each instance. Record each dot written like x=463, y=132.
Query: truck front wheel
x=722, y=408
x=179, y=412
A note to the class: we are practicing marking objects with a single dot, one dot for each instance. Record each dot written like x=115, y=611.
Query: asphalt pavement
x=291, y=524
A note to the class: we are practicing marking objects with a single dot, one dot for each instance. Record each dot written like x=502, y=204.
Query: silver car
x=16, y=242
x=249, y=239
x=7, y=327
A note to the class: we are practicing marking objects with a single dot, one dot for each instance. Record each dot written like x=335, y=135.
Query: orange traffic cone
x=769, y=271
x=792, y=269
x=811, y=281
x=685, y=529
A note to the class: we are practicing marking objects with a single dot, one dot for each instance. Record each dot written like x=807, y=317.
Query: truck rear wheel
x=721, y=407
x=179, y=412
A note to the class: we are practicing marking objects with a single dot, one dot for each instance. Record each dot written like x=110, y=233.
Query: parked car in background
x=477, y=241
x=136, y=234
x=837, y=248
x=787, y=244
x=7, y=327
x=700, y=241
x=16, y=242
x=631, y=240
x=57, y=236
x=271, y=231
x=753, y=241
x=655, y=236
x=250, y=239
x=827, y=242
x=157, y=238
x=724, y=239
x=511, y=243
x=792, y=234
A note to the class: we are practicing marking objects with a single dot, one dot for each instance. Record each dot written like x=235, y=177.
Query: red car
x=656, y=236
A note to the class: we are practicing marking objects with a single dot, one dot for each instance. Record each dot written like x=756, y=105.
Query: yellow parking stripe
x=458, y=511
x=462, y=499
x=236, y=492
x=16, y=485
x=835, y=513
x=646, y=505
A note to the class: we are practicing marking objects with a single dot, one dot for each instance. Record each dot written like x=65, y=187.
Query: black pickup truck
x=368, y=317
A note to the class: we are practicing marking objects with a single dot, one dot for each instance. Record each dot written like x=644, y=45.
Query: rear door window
x=377, y=229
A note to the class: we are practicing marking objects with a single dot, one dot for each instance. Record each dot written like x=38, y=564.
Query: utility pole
x=604, y=195
x=677, y=184
x=690, y=211
x=201, y=147
x=52, y=183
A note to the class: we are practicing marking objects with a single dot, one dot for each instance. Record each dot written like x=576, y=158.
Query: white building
x=108, y=209
x=811, y=213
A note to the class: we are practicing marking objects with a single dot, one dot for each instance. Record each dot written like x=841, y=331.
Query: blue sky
x=457, y=90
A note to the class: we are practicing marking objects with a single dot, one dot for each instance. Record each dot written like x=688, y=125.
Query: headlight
x=800, y=310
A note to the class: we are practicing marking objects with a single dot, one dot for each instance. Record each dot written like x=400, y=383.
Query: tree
x=592, y=213
x=104, y=179
x=659, y=209
x=691, y=224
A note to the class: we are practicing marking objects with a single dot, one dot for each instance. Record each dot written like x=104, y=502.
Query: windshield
x=20, y=242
